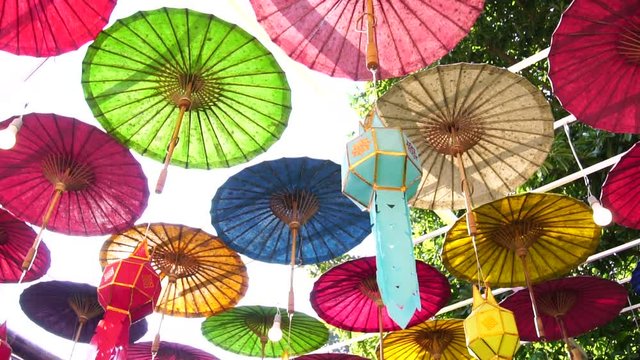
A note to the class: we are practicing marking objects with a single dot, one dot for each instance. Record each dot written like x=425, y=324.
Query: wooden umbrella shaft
x=294, y=238
x=372, y=48
x=471, y=218
x=380, y=328
x=534, y=305
x=563, y=330
x=33, y=251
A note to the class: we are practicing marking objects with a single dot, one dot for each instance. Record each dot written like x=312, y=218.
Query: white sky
x=319, y=126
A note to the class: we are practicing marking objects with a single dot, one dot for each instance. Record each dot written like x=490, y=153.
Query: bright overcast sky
x=319, y=126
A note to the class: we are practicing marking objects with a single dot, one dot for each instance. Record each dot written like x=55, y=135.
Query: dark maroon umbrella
x=333, y=356
x=167, y=351
x=329, y=36
x=568, y=307
x=15, y=239
x=594, y=63
x=69, y=310
x=347, y=296
x=45, y=28
x=620, y=191
x=70, y=177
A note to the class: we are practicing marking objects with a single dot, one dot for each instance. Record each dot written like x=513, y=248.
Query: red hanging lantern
x=5, y=348
x=128, y=291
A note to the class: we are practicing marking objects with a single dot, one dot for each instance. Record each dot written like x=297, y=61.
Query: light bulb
x=8, y=137
x=275, y=333
x=601, y=215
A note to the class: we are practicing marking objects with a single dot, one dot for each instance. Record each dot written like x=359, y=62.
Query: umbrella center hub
x=176, y=264
x=62, y=170
x=454, y=136
x=436, y=341
x=294, y=208
x=191, y=91
x=369, y=287
x=557, y=303
x=629, y=44
x=518, y=236
x=3, y=236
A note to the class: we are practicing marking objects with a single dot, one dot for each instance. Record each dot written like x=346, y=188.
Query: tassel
x=111, y=338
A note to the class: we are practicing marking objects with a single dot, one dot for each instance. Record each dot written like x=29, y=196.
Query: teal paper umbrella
x=381, y=173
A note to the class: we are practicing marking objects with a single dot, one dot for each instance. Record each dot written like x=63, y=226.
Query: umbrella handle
x=534, y=305
x=380, y=329
x=372, y=48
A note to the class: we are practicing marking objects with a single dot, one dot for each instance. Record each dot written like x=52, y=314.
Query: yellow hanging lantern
x=490, y=330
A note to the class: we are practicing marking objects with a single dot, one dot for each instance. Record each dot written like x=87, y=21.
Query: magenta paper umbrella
x=346, y=38
x=569, y=307
x=15, y=239
x=332, y=356
x=347, y=296
x=594, y=63
x=70, y=177
x=167, y=351
x=620, y=191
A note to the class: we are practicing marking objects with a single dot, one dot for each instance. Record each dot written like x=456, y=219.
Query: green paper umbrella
x=243, y=330
x=186, y=88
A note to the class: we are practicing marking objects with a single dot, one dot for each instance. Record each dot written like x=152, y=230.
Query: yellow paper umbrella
x=204, y=276
x=521, y=240
x=430, y=340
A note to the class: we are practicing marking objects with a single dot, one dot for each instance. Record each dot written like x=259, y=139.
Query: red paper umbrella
x=5, y=348
x=330, y=36
x=70, y=177
x=167, y=351
x=620, y=191
x=594, y=63
x=15, y=239
x=51, y=27
x=568, y=307
x=347, y=296
x=333, y=356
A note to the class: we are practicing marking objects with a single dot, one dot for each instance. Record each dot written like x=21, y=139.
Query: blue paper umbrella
x=635, y=279
x=288, y=211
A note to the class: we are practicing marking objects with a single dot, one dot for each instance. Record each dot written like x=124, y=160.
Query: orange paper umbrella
x=431, y=340
x=522, y=240
x=204, y=276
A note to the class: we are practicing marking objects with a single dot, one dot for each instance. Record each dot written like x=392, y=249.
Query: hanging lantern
x=381, y=173
x=5, y=348
x=128, y=291
x=490, y=330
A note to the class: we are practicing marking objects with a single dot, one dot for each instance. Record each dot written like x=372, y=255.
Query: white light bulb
x=601, y=215
x=8, y=137
x=275, y=333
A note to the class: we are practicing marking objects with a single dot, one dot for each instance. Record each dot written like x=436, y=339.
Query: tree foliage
x=507, y=32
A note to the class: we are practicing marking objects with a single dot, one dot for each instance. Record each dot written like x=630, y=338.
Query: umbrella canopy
x=69, y=310
x=635, y=279
x=329, y=36
x=243, y=330
x=563, y=304
x=430, y=340
x=46, y=28
x=594, y=63
x=146, y=72
x=15, y=239
x=620, y=192
x=167, y=351
x=495, y=126
x=205, y=277
x=347, y=296
x=332, y=356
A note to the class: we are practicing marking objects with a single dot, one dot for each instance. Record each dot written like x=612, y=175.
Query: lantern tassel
x=112, y=336
x=396, y=275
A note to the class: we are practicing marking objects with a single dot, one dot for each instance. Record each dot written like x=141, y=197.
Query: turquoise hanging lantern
x=382, y=171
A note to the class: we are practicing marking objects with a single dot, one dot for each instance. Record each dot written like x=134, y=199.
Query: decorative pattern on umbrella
x=15, y=240
x=523, y=239
x=288, y=211
x=168, y=351
x=69, y=310
x=146, y=72
x=569, y=307
x=205, y=277
x=594, y=63
x=70, y=177
x=46, y=28
x=243, y=330
x=430, y=340
x=620, y=193
x=330, y=36
x=493, y=125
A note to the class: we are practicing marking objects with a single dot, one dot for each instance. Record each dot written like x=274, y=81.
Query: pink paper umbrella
x=347, y=296
x=70, y=177
x=167, y=351
x=569, y=307
x=329, y=36
x=620, y=191
x=15, y=239
x=594, y=63
x=333, y=356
